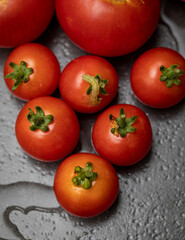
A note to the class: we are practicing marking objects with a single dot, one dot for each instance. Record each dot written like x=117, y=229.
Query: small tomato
x=47, y=129
x=88, y=83
x=31, y=71
x=122, y=134
x=158, y=79
x=85, y=185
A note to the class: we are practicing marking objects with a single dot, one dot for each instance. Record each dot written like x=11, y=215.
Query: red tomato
x=122, y=142
x=34, y=69
x=76, y=198
x=50, y=135
x=108, y=27
x=76, y=90
x=153, y=84
x=23, y=21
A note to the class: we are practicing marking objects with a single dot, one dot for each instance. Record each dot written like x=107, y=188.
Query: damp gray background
x=151, y=200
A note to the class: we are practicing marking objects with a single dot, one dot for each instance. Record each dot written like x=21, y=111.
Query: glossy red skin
x=145, y=78
x=59, y=140
x=81, y=202
x=23, y=21
x=73, y=88
x=127, y=150
x=46, y=71
x=108, y=27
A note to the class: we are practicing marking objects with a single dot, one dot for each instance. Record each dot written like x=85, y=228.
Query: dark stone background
x=151, y=201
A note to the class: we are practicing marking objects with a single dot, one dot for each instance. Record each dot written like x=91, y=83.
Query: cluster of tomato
x=47, y=127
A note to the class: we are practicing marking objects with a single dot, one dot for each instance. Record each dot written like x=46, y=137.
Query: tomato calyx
x=39, y=120
x=21, y=73
x=85, y=176
x=170, y=75
x=122, y=125
x=97, y=86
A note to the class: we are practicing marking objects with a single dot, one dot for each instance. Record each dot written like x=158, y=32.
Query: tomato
x=47, y=129
x=88, y=83
x=108, y=27
x=23, y=21
x=85, y=185
x=31, y=71
x=122, y=134
x=158, y=79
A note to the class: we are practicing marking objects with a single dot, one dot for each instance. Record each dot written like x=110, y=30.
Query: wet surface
x=151, y=201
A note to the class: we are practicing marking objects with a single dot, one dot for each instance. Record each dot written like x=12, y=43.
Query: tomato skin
x=145, y=78
x=127, y=150
x=73, y=88
x=81, y=202
x=46, y=71
x=23, y=21
x=108, y=27
x=59, y=140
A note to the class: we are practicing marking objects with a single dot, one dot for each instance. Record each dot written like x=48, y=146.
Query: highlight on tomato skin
x=158, y=77
x=85, y=185
x=122, y=134
x=47, y=129
x=88, y=83
x=30, y=71
x=108, y=28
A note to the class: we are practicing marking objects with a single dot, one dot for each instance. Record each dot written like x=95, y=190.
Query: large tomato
x=108, y=27
x=158, y=79
x=85, y=185
x=31, y=71
x=23, y=21
x=47, y=129
x=88, y=83
x=122, y=134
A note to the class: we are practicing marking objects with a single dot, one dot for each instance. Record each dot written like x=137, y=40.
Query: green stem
x=170, y=75
x=85, y=176
x=97, y=86
x=39, y=120
x=123, y=125
x=20, y=74
x=122, y=121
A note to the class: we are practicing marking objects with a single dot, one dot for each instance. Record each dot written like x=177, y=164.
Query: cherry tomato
x=88, y=83
x=31, y=71
x=158, y=79
x=85, y=185
x=47, y=129
x=122, y=134
x=108, y=27
x=23, y=21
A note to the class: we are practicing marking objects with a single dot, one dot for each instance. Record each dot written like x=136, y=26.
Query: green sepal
x=85, y=176
x=124, y=124
x=77, y=169
x=86, y=183
x=170, y=75
x=97, y=86
x=21, y=74
x=103, y=91
x=39, y=120
x=112, y=130
x=122, y=132
x=130, y=121
x=102, y=84
x=94, y=176
x=89, y=90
